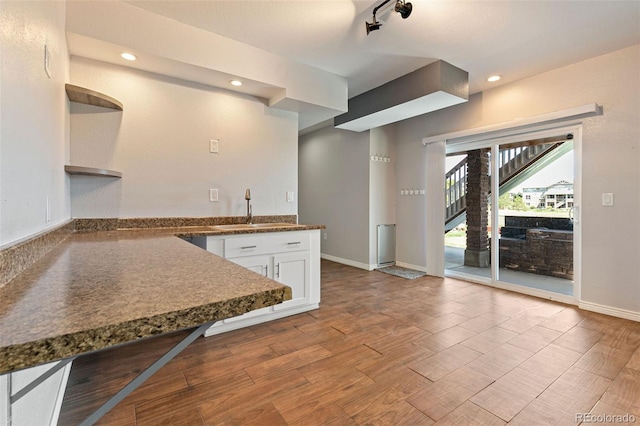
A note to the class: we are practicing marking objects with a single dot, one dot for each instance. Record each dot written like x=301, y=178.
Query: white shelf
x=91, y=97
x=91, y=171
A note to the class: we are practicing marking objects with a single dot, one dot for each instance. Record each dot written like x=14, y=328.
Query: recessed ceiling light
x=494, y=78
x=128, y=56
x=236, y=83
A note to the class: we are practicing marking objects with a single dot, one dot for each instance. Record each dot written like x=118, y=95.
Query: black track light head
x=404, y=9
x=372, y=26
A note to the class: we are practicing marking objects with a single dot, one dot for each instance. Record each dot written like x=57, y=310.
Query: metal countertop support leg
x=153, y=368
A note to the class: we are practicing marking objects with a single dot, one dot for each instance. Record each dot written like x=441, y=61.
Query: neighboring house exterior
x=557, y=196
x=532, y=196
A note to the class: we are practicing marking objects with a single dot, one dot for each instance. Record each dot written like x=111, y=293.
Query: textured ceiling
x=514, y=38
x=304, y=55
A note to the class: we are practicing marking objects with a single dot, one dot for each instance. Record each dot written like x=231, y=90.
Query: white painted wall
x=33, y=119
x=34, y=147
x=160, y=142
x=334, y=191
x=611, y=163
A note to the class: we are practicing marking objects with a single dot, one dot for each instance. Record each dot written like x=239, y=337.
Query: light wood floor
x=382, y=350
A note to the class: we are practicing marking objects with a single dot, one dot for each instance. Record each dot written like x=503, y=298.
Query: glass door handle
x=574, y=214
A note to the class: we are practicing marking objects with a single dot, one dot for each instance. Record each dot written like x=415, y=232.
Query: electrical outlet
x=213, y=195
x=213, y=146
x=324, y=236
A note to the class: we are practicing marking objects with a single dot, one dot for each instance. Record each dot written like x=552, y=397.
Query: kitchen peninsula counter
x=96, y=290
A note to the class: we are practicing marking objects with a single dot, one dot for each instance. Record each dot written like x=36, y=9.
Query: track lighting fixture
x=399, y=6
x=404, y=9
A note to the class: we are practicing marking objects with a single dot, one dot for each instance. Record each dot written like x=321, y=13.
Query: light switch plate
x=290, y=197
x=213, y=195
x=607, y=199
x=213, y=146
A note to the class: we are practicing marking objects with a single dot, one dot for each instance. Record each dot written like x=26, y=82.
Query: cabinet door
x=292, y=269
x=259, y=265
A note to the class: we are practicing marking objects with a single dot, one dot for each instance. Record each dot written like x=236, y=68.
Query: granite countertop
x=100, y=289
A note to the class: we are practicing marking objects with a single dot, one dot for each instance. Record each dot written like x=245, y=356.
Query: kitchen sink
x=235, y=226
x=241, y=226
x=273, y=225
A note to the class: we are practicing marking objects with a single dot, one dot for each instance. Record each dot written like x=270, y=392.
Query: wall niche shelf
x=91, y=171
x=91, y=97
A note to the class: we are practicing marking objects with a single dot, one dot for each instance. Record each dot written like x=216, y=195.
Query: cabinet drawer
x=272, y=243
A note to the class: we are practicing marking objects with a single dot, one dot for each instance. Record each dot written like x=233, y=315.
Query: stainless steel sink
x=273, y=225
x=231, y=227
x=240, y=226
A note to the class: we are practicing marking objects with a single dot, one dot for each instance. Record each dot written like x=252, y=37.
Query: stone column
x=477, y=252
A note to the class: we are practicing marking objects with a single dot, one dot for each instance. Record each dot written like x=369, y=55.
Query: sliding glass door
x=535, y=206
x=511, y=212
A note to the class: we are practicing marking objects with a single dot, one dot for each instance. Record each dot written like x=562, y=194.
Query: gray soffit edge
x=432, y=87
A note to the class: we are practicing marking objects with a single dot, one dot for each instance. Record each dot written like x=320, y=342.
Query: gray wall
x=382, y=184
x=342, y=187
x=334, y=190
x=611, y=163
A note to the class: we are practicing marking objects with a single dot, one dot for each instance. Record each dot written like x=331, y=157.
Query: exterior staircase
x=516, y=164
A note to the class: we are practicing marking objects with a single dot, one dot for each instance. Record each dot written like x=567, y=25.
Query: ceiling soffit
x=432, y=87
x=203, y=57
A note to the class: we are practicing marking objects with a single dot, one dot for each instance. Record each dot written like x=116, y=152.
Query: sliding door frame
x=546, y=125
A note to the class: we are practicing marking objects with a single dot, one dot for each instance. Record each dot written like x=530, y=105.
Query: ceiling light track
x=399, y=6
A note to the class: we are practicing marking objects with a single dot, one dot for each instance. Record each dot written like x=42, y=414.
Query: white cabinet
x=291, y=258
x=293, y=269
x=258, y=264
x=41, y=404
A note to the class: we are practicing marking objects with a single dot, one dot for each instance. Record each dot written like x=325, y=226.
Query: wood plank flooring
x=381, y=350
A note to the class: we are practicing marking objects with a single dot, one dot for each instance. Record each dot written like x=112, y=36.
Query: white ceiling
x=514, y=38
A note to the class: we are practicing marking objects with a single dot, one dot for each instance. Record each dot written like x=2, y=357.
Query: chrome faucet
x=247, y=196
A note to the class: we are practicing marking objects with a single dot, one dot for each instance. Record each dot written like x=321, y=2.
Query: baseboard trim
x=410, y=266
x=609, y=310
x=348, y=262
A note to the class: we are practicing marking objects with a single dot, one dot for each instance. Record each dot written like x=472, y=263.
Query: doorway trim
x=560, y=118
x=556, y=122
